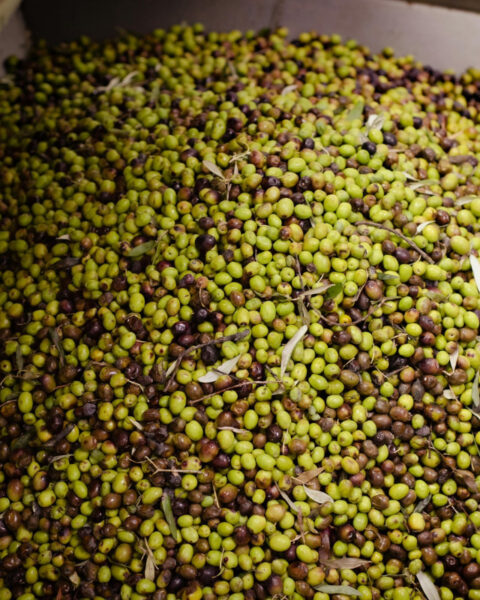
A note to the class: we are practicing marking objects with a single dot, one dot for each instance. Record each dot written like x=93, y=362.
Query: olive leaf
x=19, y=357
x=460, y=158
x=150, y=568
x=357, y=111
x=454, y=358
x=291, y=504
x=234, y=429
x=287, y=89
x=422, y=505
x=224, y=369
x=170, y=519
x=345, y=590
x=467, y=478
x=57, y=343
x=307, y=476
x=317, y=496
x=141, y=249
x=317, y=290
x=465, y=200
x=416, y=185
x=428, y=587
x=334, y=290
x=449, y=395
x=422, y=226
x=135, y=423
x=475, y=393
x=304, y=314
x=345, y=563
x=475, y=264
x=212, y=167
x=117, y=82
x=65, y=236
x=375, y=122
x=67, y=263
x=75, y=578
x=387, y=277
x=23, y=441
x=290, y=347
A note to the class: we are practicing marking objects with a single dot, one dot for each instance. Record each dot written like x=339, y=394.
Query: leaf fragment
x=317, y=496
x=357, y=111
x=334, y=290
x=287, y=89
x=212, y=167
x=75, y=578
x=57, y=343
x=476, y=392
x=422, y=505
x=454, y=358
x=19, y=358
x=428, y=587
x=475, y=264
x=141, y=249
x=307, y=476
x=290, y=347
x=345, y=590
x=416, y=185
x=150, y=568
x=422, y=226
x=346, y=563
x=224, y=369
x=375, y=122
x=169, y=518
x=287, y=499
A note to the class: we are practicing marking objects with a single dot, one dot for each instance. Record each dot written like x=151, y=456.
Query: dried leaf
x=117, y=82
x=224, y=369
x=454, y=358
x=291, y=504
x=422, y=505
x=19, y=358
x=57, y=343
x=345, y=590
x=334, y=290
x=375, y=122
x=150, y=568
x=75, y=578
x=317, y=496
x=290, y=347
x=465, y=200
x=135, y=423
x=449, y=395
x=307, y=476
x=170, y=369
x=65, y=236
x=475, y=392
x=304, y=314
x=416, y=185
x=141, y=249
x=317, y=290
x=357, y=111
x=234, y=429
x=346, y=563
x=212, y=167
x=287, y=89
x=167, y=511
x=475, y=264
x=66, y=263
x=428, y=587
x=422, y=226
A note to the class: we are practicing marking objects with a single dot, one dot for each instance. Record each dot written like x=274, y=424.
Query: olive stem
x=410, y=242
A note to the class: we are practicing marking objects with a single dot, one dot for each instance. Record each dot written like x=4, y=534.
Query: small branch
x=407, y=240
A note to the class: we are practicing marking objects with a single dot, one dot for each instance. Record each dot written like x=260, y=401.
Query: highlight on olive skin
x=239, y=321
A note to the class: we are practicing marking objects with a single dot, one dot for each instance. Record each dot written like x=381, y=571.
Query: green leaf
x=357, y=111
x=141, y=249
x=19, y=357
x=212, y=167
x=475, y=392
x=346, y=590
x=58, y=344
x=167, y=511
x=334, y=290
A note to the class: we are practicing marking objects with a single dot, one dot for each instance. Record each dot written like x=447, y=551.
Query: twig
x=407, y=240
